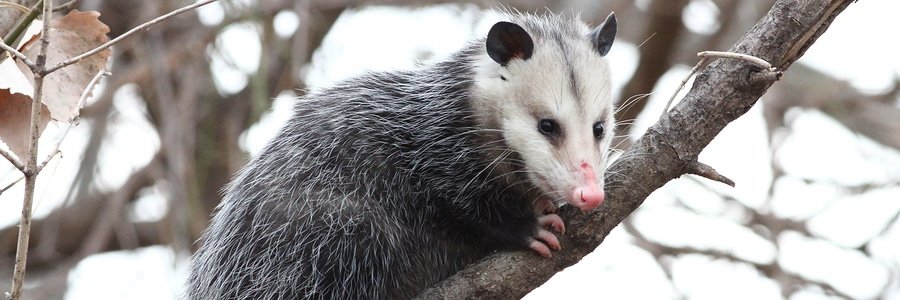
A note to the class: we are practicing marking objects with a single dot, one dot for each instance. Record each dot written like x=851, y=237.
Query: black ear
x=506, y=41
x=604, y=35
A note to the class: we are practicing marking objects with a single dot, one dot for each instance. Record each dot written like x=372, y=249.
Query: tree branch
x=116, y=40
x=13, y=159
x=31, y=171
x=66, y=6
x=705, y=171
x=720, y=94
x=14, y=34
x=81, y=101
x=18, y=55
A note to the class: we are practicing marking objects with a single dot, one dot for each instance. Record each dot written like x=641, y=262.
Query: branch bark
x=31, y=171
x=721, y=94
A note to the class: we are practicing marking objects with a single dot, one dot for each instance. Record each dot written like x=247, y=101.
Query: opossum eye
x=598, y=130
x=548, y=127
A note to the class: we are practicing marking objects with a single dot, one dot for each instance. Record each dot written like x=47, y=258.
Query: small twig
x=11, y=184
x=762, y=63
x=66, y=6
x=768, y=73
x=14, y=34
x=703, y=170
x=87, y=91
x=18, y=55
x=765, y=76
x=645, y=41
x=700, y=65
x=126, y=35
x=81, y=101
x=50, y=157
x=14, y=5
x=12, y=158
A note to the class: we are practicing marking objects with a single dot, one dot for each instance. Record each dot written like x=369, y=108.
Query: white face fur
x=548, y=106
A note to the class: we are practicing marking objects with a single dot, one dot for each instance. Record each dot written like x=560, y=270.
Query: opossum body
x=387, y=183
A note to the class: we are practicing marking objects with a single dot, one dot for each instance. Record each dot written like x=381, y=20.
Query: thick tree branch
x=721, y=94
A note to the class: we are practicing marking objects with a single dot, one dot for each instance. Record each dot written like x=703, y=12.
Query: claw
x=554, y=222
x=543, y=239
x=548, y=238
x=539, y=247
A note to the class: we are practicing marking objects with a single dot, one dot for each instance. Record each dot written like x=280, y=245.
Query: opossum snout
x=587, y=198
x=587, y=195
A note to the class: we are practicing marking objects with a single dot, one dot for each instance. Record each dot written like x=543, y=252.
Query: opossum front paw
x=544, y=240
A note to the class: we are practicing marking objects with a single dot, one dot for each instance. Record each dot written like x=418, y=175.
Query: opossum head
x=544, y=83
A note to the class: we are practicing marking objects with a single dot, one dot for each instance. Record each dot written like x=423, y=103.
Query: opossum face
x=549, y=94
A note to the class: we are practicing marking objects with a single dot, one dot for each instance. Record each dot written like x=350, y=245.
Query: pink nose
x=588, y=197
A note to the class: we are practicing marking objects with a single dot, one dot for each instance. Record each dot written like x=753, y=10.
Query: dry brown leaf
x=71, y=35
x=15, y=117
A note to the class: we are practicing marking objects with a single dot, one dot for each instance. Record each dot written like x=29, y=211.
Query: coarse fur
x=387, y=183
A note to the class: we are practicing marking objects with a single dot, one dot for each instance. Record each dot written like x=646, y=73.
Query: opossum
x=387, y=183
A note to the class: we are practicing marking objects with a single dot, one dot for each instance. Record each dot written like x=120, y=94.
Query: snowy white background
x=685, y=213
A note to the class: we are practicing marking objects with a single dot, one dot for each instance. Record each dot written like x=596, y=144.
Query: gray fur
x=376, y=188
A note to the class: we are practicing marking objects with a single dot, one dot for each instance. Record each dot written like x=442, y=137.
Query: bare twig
x=18, y=55
x=13, y=5
x=52, y=154
x=126, y=35
x=12, y=158
x=31, y=159
x=699, y=66
x=759, y=62
x=66, y=6
x=13, y=35
x=87, y=91
x=81, y=101
x=11, y=184
x=705, y=171
x=768, y=74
